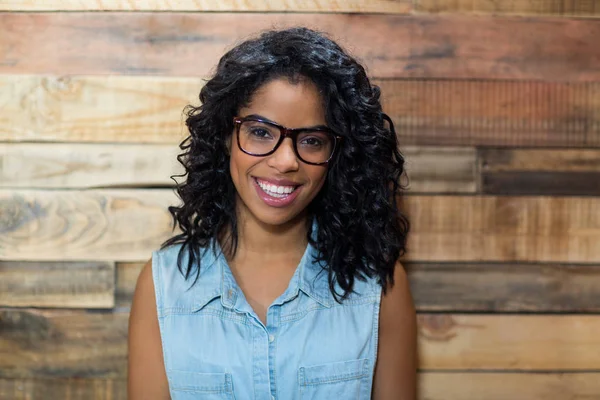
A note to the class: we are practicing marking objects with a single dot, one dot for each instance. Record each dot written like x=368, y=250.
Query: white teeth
x=276, y=191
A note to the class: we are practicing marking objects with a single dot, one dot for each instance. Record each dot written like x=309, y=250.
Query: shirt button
x=271, y=340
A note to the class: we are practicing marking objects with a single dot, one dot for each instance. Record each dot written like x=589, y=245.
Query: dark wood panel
x=62, y=343
x=542, y=183
x=497, y=287
x=441, y=46
x=540, y=171
x=553, y=7
x=63, y=389
x=494, y=113
x=57, y=284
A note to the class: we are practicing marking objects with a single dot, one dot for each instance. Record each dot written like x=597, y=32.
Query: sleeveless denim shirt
x=216, y=347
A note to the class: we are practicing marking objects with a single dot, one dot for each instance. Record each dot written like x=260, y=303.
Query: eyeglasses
x=259, y=137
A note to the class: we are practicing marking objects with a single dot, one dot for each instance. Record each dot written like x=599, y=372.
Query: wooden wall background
x=497, y=105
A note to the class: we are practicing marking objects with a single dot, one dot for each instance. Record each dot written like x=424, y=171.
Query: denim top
x=216, y=347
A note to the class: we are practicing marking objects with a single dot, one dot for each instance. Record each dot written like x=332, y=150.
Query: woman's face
x=258, y=179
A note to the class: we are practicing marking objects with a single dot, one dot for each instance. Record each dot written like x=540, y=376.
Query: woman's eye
x=311, y=141
x=260, y=133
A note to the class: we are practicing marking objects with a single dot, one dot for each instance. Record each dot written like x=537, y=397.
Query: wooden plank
x=440, y=169
x=498, y=287
x=494, y=113
x=432, y=386
x=367, y=6
x=71, y=343
x=127, y=275
x=76, y=165
x=503, y=386
x=428, y=112
x=548, y=7
x=62, y=344
x=96, y=109
x=425, y=46
x=509, y=342
x=126, y=225
x=503, y=229
x=63, y=389
x=58, y=284
x=540, y=171
x=108, y=225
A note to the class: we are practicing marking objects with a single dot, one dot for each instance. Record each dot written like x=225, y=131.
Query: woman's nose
x=284, y=159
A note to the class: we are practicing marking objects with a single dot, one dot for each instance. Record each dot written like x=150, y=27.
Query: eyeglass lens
x=260, y=138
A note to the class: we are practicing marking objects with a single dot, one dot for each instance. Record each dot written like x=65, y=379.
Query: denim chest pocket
x=339, y=380
x=188, y=385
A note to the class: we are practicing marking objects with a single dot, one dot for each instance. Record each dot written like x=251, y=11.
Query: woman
x=284, y=283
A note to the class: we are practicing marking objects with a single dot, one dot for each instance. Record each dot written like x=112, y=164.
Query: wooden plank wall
x=497, y=105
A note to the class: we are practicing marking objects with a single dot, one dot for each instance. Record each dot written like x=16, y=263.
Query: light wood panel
x=494, y=113
x=504, y=386
x=424, y=45
x=540, y=171
x=509, y=342
x=127, y=275
x=432, y=385
x=440, y=169
x=430, y=112
x=127, y=225
x=57, y=343
x=75, y=165
x=95, y=109
x=503, y=229
x=323, y=6
x=560, y=7
x=63, y=389
x=59, y=284
x=499, y=287
x=106, y=225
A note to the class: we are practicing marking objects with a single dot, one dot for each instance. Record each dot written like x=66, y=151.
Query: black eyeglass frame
x=292, y=133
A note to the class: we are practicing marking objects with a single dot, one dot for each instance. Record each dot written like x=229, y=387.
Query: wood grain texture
x=425, y=46
x=59, y=284
x=498, y=287
x=429, y=112
x=432, y=385
x=440, y=169
x=323, y=6
x=62, y=344
x=503, y=229
x=509, y=342
x=95, y=109
x=75, y=165
x=125, y=225
x=551, y=7
x=63, y=389
x=503, y=386
x=127, y=275
x=70, y=343
x=540, y=171
x=494, y=113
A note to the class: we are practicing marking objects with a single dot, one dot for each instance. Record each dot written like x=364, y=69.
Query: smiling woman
x=284, y=282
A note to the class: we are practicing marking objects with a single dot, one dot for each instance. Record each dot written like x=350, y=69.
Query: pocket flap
x=215, y=382
x=333, y=372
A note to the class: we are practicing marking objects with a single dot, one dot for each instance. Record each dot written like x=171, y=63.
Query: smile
x=276, y=195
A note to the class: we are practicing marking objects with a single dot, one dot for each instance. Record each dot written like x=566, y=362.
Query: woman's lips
x=276, y=201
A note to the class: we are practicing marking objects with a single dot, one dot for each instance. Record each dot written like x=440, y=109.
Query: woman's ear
x=228, y=142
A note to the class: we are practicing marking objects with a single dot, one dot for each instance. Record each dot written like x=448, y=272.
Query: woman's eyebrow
x=314, y=127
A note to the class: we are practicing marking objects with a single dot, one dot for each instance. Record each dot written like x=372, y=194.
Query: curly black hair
x=360, y=230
